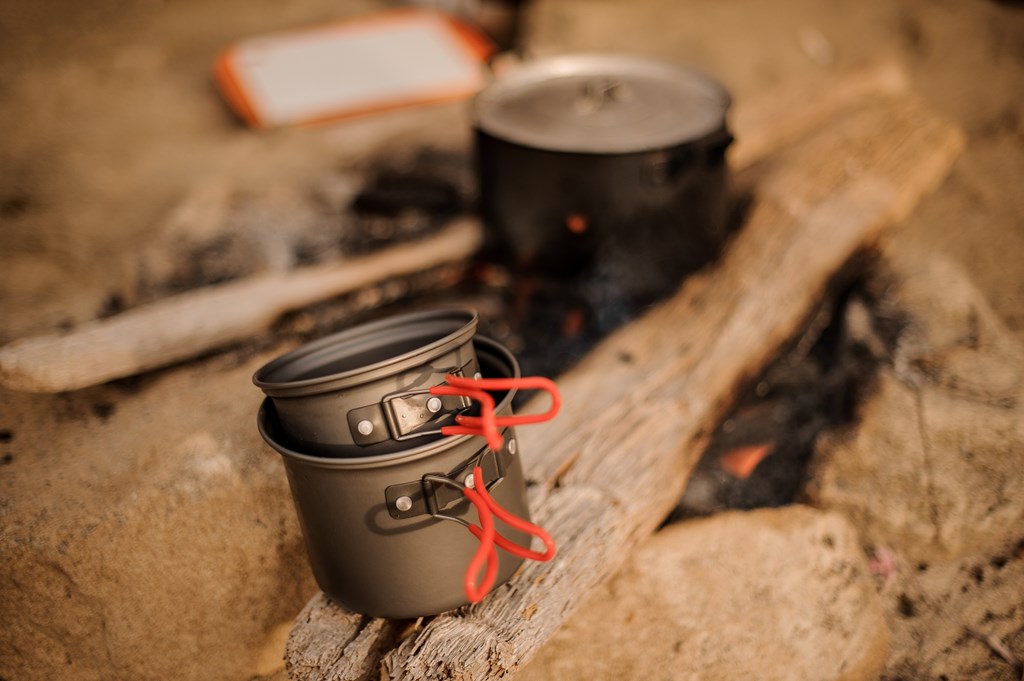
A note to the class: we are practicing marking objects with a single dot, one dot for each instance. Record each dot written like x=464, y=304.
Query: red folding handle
x=485, y=552
x=519, y=524
x=486, y=425
x=489, y=426
x=486, y=508
x=525, y=383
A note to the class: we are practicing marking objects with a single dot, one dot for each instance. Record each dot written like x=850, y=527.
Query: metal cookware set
x=393, y=433
x=605, y=171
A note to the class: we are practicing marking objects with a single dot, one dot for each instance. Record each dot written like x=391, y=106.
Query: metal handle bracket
x=428, y=496
x=408, y=414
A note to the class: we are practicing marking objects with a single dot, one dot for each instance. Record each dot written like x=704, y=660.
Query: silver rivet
x=470, y=482
x=365, y=427
x=477, y=376
x=512, y=446
x=403, y=503
x=434, y=405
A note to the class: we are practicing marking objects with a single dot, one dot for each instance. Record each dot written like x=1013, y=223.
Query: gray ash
x=407, y=198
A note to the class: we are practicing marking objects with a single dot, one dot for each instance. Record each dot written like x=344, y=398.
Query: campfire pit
x=639, y=406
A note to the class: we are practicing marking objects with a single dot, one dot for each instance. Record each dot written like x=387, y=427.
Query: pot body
x=366, y=387
x=624, y=227
x=368, y=555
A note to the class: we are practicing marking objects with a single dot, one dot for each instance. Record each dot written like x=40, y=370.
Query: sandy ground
x=110, y=122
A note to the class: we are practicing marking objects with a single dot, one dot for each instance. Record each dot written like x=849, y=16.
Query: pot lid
x=601, y=103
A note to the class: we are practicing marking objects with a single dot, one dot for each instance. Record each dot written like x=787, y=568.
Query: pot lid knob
x=596, y=93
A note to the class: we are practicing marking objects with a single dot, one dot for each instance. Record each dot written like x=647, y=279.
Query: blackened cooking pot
x=605, y=169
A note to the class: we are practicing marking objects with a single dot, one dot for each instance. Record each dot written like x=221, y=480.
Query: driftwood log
x=186, y=325
x=796, y=108
x=609, y=469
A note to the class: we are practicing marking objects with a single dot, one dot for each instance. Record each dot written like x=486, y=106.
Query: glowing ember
x=742, y=461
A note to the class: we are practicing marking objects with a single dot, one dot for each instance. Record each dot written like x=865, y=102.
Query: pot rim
x=334, y=345
x=490, y=346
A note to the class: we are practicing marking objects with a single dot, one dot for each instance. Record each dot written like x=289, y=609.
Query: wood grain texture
x=618, y=457
x=189, y=324
x=783, y=114
x=320, y=654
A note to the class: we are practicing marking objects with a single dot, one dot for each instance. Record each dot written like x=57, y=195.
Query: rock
x=148, y=532
x=768, y=594
x=939, y=614
x=931, y=472
x=932, y=466
x=876, y=474
x=951, y=337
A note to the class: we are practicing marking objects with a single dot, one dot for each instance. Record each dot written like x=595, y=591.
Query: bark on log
x=617, y=459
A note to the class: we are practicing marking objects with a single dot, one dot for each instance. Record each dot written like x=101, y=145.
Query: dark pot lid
x=601, y=103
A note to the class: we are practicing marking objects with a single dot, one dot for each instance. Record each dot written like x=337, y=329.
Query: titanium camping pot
x=608, y=169
x=383, y=531
x=368, y=386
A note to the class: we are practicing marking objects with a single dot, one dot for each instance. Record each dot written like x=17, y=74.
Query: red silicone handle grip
x=485, y=552
x=486, y=425
x=514, y=522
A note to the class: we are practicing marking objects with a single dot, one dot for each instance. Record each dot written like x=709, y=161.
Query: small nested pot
x=606, y=170
x=373, y=526
x=368, y=387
